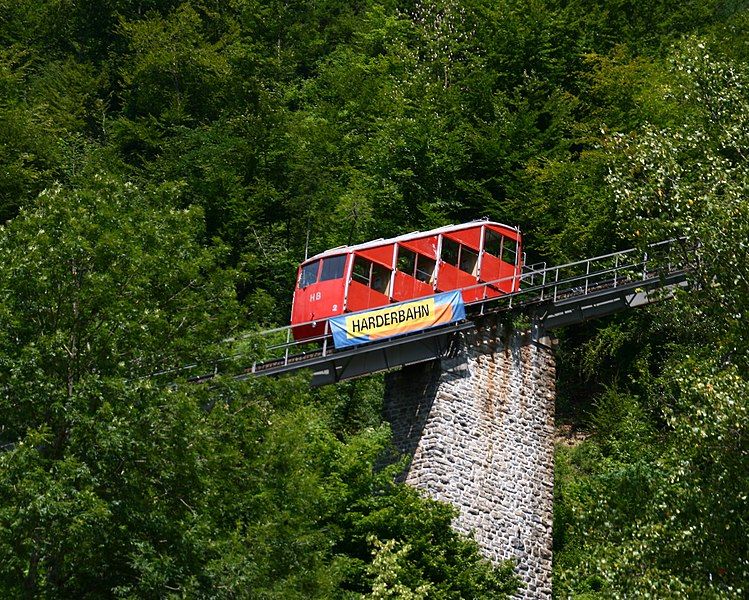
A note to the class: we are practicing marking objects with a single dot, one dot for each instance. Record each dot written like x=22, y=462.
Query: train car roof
x=407, y=236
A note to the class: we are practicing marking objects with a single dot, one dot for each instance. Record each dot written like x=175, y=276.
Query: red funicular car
x=481, y=258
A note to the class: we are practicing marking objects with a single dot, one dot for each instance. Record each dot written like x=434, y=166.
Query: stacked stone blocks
x=479, y=428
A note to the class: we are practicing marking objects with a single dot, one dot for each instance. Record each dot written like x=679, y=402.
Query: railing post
x=587, y=276
x=325, y=338
x=543, y=284
x=286, y=351
x=556, y=281
x=645, y=266
x=616, y=268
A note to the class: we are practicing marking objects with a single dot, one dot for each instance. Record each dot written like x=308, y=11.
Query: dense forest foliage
x=165, y=166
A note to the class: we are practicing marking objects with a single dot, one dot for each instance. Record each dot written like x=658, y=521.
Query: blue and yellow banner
x=397, y=319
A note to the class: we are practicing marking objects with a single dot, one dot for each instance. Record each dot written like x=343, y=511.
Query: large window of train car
x=509, y=250
x=425, y=268
x=460, y=256
x=469, y=260
x=332, y=267
x=380, y=279
x=493, y=243
x=450, y=252
x=362, y=270
x=406, y=261
x=371, y=274
x=309, y=274
x=416, y=265
x=500, y=246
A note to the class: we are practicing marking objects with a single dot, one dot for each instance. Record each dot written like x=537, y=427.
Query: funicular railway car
x=483, y=259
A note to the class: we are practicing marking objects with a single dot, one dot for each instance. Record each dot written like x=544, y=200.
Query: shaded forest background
x=164, y=167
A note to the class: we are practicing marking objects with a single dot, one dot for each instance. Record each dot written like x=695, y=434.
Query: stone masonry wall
x=479, y=429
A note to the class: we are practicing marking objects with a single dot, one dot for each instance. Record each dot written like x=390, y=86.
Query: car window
x=309, y=274
x=332, y=267
x=450, y=251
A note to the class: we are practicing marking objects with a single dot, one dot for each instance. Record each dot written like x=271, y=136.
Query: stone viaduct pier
x=478, y=426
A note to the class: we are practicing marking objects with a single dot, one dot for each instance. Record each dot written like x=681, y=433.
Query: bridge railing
x=580, y=278
x=538, y=284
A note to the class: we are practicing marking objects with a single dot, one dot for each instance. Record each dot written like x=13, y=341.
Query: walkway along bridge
x=549, y=297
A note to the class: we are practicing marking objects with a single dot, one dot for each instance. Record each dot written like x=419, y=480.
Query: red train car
x=481, y=258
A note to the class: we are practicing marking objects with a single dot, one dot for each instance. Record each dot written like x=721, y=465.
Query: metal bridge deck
x=549, y=297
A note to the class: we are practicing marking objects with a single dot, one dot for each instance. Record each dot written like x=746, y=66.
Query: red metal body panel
x=452, y=278
x=426, y=245
x=342, y=292
x=317, y=302
x=470, y=237
x=381, y=254
x=407, y=287
x=493, y=269
x=361, y=297
x=504, y=230
x=490, y=270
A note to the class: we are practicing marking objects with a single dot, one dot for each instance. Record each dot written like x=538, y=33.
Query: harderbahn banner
x=397, y=319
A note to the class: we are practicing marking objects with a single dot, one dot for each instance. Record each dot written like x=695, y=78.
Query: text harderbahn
x=394, y=317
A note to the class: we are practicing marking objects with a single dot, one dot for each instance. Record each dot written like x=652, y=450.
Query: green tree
x=660, y=519
x=101, y=285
